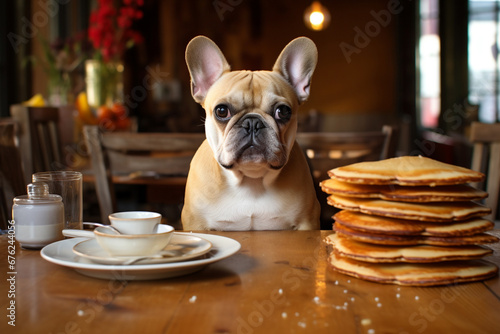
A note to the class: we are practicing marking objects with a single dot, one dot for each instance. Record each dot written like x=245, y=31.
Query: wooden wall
x=356, y=81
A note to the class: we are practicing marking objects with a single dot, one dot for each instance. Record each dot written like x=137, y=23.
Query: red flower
x=110, y=30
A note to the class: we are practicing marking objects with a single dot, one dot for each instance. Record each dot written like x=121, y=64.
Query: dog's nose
x=252, y=125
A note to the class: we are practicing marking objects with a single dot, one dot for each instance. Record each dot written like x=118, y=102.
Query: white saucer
x=61, y=253
x=182, y=247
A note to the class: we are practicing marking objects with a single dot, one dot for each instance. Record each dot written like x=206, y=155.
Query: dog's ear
x=206, y=64
x=296, y=64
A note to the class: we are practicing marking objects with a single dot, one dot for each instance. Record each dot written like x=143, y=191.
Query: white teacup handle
x=73, y=233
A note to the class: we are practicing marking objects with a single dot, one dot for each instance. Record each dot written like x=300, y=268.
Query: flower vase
x=59, y=89
x=104, y=83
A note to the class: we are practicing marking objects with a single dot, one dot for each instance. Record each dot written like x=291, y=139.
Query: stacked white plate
x=186, y=253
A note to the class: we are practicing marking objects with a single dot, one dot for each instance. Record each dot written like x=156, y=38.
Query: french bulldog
x=250, y=173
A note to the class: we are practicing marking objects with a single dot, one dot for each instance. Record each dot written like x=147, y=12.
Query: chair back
x=12, y=182
x=39, y=138
x=127, y=155
x=326, y=150
x=486, y=159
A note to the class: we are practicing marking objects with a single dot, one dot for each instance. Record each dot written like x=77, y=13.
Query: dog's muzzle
x=252, y=140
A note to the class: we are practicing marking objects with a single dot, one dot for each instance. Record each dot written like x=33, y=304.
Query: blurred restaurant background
x=427, y=68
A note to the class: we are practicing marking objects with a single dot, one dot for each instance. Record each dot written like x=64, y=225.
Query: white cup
x=135, y=222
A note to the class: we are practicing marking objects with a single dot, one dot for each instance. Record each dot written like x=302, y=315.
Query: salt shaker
x=38, y=216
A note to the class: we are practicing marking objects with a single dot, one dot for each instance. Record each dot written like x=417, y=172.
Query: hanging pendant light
x=317, y=16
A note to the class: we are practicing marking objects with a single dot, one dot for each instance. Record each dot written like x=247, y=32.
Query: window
x=428, y=64
x=484, y=38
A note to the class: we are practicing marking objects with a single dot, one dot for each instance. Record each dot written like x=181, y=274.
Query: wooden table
x=279, y=282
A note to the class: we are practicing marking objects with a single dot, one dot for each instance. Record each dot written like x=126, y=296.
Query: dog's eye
x=222, y=112
x=283, y=113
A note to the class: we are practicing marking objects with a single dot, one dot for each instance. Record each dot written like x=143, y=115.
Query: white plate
x=182, y=247
x=61, y=253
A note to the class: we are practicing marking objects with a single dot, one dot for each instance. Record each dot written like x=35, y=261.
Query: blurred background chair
x=39, y=138
x=158, y=160
x=486, y=159
x=12, y=182
x=326, y=150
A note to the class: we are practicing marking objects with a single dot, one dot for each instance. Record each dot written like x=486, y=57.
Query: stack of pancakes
x=409, y=221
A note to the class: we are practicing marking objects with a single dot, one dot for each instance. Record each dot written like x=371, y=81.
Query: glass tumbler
x=67, y=184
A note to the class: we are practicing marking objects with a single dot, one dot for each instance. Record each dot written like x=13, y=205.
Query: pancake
x=384, y=225
x=407, y=171
x=415, y=274
x=398, y=240
x=453, y=193
x=431, y=212
x=413, y=254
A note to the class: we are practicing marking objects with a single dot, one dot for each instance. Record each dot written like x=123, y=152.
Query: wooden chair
x=486, y=159
x=326, y=151
x=137, y=158
x=39, y=138
x=12, y=182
